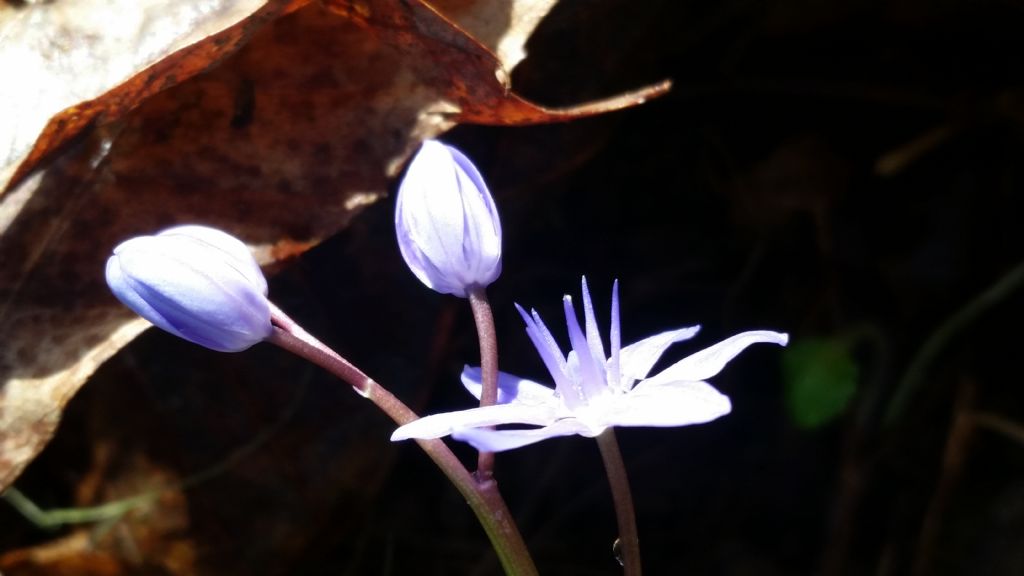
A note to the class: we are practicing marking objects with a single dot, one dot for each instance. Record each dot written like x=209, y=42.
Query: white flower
x=593, y=391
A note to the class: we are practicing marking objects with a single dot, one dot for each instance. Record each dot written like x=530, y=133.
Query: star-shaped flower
x=592, y=391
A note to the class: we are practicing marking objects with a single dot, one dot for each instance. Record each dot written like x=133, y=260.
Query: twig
x=917, y=372
x=960, y=434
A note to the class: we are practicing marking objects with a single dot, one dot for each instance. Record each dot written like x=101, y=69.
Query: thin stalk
x=488, y=366
x=482, y=497
x=917, y=373
x=623, y=498
x=997, y=423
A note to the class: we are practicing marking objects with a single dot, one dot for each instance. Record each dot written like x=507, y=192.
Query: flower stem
x=482, y=497
x=488, y=366
x=623, y=499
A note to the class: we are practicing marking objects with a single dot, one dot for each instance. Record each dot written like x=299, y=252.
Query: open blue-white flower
x=593, y=391
x=447, y=226
x=198, y=283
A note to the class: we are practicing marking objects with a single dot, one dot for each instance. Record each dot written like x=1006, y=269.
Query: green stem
x=57, y=517
x=623, y=498
x=917, y=372
x=488, y=338
x=483, y=497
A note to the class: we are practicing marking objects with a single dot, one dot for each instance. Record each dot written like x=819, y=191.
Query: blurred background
x=847, y=172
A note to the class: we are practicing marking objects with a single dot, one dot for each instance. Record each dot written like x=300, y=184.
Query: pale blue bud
x=447, y=226
x=195, y=282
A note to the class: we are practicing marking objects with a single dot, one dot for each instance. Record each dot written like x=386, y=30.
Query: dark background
x=847, y=171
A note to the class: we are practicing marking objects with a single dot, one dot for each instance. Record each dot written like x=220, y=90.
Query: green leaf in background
x=820, y=377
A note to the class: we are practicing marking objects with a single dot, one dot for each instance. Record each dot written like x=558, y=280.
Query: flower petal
x=710, y=361
x=483, y=226
x=438, y=425
x=235, y=253
x=125, y=291
x=572, y=365
x=590, y=322
x=511, y=388
x=429, y=217
x=551, y=354
x=488, y=440
x=614, y=373
x=637, y=359
x=590, y=381
x=677, y=404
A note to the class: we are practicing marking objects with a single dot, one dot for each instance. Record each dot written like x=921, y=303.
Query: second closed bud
x=446, y=222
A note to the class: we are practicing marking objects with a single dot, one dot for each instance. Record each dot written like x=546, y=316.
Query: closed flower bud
x=447, y=225
x=195, y=282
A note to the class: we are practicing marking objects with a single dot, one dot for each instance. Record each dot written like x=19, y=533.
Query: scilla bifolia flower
x=195, y=282
x=593, y=391
x=447, y=226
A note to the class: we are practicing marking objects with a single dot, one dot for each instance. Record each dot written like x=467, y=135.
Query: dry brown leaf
x=71, y=554
x=478, y=89
x=172, y=445
x=281, y=145
x=502, y=26
x=60, y=57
